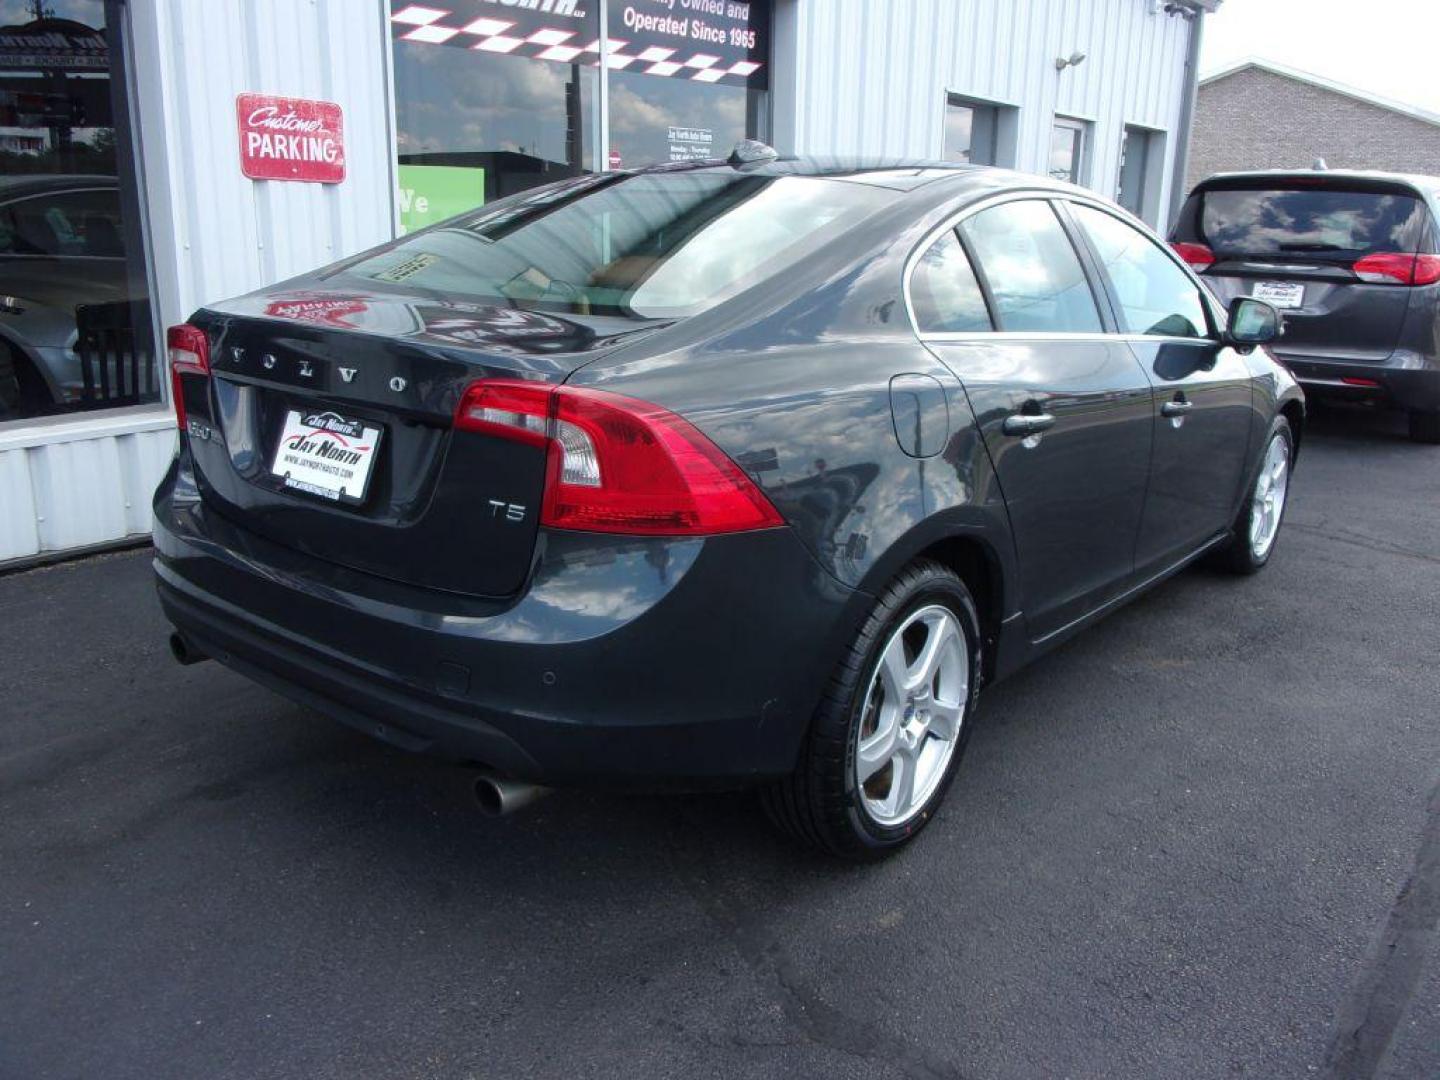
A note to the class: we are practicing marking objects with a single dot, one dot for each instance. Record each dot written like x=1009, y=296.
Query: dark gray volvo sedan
x=745, y=473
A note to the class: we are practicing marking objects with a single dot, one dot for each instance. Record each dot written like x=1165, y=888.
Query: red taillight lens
x=1391, y=267
x=618, y=465
x=189, y=351
x=1197, y=255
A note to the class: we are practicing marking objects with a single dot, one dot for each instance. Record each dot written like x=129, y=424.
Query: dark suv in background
x=1353, y=260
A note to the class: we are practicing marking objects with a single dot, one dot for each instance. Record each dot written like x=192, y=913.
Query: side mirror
x=1252, y=322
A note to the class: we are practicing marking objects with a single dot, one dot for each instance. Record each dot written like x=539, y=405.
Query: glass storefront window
x=493, y=99
x=75, y=323
x=476, y=124
x=654, y=120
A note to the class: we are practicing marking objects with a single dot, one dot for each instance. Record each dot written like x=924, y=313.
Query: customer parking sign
x=290, y=139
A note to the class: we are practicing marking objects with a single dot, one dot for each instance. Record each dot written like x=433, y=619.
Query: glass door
x=75, y=325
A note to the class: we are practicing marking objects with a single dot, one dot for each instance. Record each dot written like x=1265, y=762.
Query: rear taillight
x=1394, y=268
x=618, y=465
x=1197, y=255
x=189, y=351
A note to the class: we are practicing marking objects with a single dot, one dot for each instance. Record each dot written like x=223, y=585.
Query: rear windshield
x=1310, y=221
x=656, y=245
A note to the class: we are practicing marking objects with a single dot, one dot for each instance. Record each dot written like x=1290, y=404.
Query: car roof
x=897, y=174
x=1418, y=181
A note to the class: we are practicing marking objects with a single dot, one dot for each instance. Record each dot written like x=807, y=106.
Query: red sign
x=290, y=139
x=614, y=159
x=328, y=312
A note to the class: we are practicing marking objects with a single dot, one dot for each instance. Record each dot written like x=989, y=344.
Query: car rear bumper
x=1406, y=381
x=653, y=662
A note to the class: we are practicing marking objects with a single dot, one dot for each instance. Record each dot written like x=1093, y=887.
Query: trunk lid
x=1295, y=241
x=383, y=373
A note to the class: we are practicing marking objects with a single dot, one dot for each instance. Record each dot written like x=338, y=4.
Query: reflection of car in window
x=61, y=249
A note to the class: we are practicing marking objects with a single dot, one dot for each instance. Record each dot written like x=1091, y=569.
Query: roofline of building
x=1324, y=84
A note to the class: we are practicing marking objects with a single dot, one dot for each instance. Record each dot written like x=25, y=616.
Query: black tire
x=1238, y=556
x=1425, y=427
x=819, y=804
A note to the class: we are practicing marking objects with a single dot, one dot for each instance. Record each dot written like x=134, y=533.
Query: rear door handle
x=1175, y=408
x=1026, y=424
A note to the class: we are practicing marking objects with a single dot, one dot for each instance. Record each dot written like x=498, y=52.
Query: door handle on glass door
x=1027, y=424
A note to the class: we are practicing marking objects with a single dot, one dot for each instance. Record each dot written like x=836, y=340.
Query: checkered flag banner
x=439, y=26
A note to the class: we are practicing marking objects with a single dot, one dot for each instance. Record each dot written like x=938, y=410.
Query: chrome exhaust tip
x=184, y=651
x=498, y=796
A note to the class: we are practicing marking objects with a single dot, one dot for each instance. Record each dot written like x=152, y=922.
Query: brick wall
x=1256, y=119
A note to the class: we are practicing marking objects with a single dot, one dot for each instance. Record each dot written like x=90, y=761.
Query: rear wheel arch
x=972, y=557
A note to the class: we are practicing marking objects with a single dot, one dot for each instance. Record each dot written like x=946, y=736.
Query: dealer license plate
x=326, y=454
x=1282, y=294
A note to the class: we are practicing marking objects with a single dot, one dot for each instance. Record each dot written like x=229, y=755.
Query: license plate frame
x=325, y=454
x=1285, y=295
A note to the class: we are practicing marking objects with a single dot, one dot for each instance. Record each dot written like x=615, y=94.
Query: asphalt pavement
x=1202, y=840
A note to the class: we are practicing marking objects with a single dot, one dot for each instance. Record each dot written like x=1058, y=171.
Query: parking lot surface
x=1202, y=840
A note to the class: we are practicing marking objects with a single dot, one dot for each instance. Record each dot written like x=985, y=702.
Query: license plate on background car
x=1280, y=293
x=326, y=454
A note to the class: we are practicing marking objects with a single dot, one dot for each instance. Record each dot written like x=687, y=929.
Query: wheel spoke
x=894, y=672
x=876, y=751
x=902, y=783
x=939, y=631
x=945, y=719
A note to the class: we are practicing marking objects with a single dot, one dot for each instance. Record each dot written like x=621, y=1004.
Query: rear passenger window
x=1035, y=278
x=943, y=289
x=1156, y=296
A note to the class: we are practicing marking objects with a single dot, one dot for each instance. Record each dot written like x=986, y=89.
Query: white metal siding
x=871, y=77
x=213, y=233
x=63, y=489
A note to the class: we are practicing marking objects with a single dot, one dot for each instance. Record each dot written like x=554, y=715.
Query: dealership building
x=156, y=155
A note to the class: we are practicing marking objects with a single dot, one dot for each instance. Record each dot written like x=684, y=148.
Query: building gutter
x=1187, y=105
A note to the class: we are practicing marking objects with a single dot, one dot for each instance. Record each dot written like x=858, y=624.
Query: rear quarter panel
x=792, y=380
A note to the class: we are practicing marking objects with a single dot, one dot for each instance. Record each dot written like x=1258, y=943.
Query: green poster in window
x=431, y=193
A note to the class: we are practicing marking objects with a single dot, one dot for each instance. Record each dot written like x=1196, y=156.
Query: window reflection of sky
x=1034, y=273
x=1269, y=222
x=20, y=12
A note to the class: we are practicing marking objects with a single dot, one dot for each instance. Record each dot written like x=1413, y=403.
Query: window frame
x=1152, y=172
x=1082, y=256
x=987, y=299
x=1124, y=217
x=1085, y=129
x=1007, y=126
x=959, y=101
x=1099, y=281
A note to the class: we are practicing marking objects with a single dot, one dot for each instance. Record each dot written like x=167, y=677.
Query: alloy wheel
x=914, y=707
x=1268, y=500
